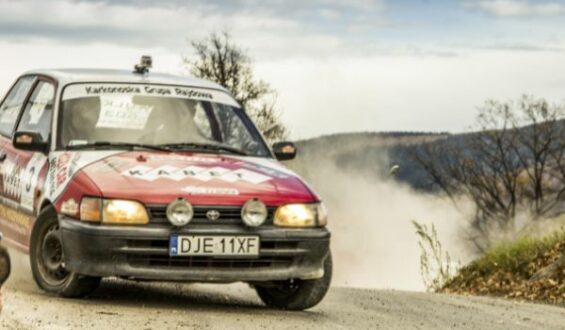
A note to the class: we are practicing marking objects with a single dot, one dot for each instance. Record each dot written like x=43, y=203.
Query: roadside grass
x=435, y=263
x=513, y=269
x=514, y=256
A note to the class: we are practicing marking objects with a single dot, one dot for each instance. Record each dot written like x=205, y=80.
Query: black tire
x=297, y=294
x=5, y=265
x=47, y=260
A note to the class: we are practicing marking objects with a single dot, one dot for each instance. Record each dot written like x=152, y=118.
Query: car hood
x=203, y=179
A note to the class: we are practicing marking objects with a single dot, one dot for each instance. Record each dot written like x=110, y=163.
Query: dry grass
x=507, y=271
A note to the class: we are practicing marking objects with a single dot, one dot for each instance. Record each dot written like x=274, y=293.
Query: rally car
x=143, y=176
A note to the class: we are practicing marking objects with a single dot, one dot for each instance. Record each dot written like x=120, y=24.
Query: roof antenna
x=144, y=65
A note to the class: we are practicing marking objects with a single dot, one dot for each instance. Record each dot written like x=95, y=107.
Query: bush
x=528, y=269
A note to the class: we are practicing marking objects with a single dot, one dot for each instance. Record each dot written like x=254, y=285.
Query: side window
x=10, y=109
x=37, y=112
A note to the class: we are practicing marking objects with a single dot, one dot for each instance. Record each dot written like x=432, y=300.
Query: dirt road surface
x=129, y=305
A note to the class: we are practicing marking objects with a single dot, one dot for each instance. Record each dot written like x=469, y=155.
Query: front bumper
x=142, y=252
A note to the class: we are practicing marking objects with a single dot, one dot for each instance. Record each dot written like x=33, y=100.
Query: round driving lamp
x=179, y=212
x=254, y=212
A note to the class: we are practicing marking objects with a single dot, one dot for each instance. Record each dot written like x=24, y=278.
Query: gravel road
x=129, y=305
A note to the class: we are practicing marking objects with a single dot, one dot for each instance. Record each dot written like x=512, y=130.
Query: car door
x=30, y=168
x=36, y=117
x=12, y=225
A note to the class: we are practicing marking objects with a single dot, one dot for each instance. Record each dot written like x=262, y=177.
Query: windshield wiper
x=204, y=146
x=128, y=145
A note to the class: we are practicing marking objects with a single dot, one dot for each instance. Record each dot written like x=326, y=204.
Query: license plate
x=194, y=245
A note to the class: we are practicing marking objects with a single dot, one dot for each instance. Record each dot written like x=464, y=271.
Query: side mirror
x=284, y=150
x=30, y=141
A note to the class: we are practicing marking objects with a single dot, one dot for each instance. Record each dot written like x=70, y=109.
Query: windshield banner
x=76, y=91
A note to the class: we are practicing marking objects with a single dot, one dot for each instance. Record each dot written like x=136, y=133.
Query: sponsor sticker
x=11, y=179
x=194, y=190
x=18, y=221
x=28, y=182
x=121, y=112
x=195, y=172
x=59, y=171
x=100, y=89
x=197, y=159
x=63, y=166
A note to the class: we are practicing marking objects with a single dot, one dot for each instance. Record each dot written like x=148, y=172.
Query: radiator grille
x=206, y=262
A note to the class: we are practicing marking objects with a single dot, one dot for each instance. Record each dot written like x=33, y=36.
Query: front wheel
x=48, y=262
x=297, y=294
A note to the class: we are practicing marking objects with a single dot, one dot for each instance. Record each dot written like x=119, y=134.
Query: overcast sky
x=338, y=65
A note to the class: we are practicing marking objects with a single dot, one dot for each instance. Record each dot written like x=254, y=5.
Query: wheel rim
x=51, y=258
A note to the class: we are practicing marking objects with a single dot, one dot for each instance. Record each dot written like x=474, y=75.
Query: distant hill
x=371, y=154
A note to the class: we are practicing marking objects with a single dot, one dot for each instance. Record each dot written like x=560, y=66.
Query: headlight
x=179, y=212
x=254, y=213
x=113, y=211
x=126, y=212
x=301, y=215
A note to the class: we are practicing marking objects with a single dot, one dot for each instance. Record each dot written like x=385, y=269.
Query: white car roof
x=68, y=76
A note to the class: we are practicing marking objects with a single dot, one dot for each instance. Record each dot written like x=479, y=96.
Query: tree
x=514, y=162
x=220, y=60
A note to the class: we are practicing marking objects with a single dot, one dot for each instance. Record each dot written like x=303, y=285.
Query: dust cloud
x=374, y=243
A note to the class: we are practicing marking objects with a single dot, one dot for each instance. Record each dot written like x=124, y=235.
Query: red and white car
x=153, y=177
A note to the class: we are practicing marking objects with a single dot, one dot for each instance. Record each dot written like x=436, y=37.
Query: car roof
x=68, y=76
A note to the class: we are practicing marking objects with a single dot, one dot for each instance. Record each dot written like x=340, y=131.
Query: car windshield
x=178, y=118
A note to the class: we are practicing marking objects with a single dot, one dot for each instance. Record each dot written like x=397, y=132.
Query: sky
x=337, y=65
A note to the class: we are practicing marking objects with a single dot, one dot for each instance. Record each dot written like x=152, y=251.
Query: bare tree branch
x=220, y=60
x=514, y=162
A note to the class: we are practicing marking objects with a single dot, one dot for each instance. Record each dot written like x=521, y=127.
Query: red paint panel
x=203, y=179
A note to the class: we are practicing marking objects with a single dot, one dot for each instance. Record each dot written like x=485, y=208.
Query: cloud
x=516, y=8
x=407, y=93
x=274, y=28
x=521, y=47
x=282, y=7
